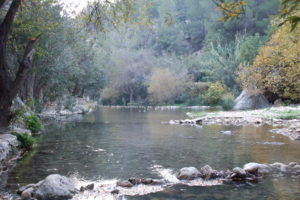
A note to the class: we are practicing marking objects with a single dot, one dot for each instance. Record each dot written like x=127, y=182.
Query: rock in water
x=188, y=173
x=55, y=187
x=207, y=172
x=125, y=184
x=247, y=101
x=256, y=168
x=238, y=174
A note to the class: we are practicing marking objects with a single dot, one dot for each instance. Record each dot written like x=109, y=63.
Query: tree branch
x=5, y=27
x=2, y=2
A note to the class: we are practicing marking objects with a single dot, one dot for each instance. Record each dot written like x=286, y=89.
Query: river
x=123, y=143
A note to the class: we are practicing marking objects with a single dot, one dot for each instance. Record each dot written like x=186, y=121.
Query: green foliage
x=18, y=115
x=217, y=62
x=109, y=96
x=249, y=48
x=184, y=37
x=227, y=102
x=199, y=114
x=26, y=140
x=288, y=115
x=33, y=123
x=214, y=94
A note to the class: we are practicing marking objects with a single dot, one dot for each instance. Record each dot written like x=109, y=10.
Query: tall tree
x=10, y=85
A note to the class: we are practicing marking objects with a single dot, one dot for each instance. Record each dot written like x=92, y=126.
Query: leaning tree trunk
x=9, y=87
x=5, y=115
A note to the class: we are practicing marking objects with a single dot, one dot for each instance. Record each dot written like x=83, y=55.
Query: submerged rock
x=188, y=173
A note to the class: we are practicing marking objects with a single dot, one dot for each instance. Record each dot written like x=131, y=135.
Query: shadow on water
x=123, y=143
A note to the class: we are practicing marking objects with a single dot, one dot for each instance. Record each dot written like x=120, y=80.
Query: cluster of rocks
x=219, y=120
x=58, y=112
x=54, y=187
x=57, y=187
x=292, y=131
x=291, y=127
x=251, y=172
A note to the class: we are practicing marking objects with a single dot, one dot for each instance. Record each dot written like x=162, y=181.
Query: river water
x=122, y=143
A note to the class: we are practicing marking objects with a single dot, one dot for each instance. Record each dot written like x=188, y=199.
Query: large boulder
x=248, y=100
x=188, y=173
x=54, y=187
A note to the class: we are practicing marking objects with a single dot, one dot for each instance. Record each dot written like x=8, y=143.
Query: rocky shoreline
x=289, y=128
x=54, y=112
x=59, y=187
x=9, y=154
x=162, y=108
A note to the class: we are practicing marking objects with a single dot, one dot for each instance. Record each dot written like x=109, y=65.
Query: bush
x=165, y=85
x=26, y=140
x=214, y=94
x=227, y=101
x=109, y=95
x=33, y=123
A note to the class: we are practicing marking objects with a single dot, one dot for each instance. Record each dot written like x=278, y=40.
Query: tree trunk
x=5, y=115
x=10, y=88
x=26, y=92
x=131, y=100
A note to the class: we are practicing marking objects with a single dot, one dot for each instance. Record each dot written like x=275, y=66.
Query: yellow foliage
x=277, y=66
x=164, y=86
x=109, y=94
x=231, y=10
x=214, y=93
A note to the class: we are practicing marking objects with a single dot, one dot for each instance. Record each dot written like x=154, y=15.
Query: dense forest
x=149, y=99
x=147, y=53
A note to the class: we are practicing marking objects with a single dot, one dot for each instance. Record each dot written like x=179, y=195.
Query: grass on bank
x=288, y=115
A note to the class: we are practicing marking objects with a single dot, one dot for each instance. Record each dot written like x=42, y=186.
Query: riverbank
x=285, y=119
x=55, y=112
x=10, y=150
x=170, y=107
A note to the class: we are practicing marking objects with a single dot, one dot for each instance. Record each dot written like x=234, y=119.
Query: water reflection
x=123, y=143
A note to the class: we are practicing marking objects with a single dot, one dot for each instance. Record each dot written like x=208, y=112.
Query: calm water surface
x=124, y=143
